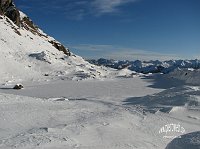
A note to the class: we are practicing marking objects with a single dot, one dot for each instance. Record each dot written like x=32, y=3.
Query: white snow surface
x=120, y=113
x=189, y=76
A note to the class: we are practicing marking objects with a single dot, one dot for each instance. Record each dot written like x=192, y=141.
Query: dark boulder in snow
x=18, y=86
x=46, y=74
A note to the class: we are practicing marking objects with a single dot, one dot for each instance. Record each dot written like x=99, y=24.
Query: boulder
x=18, y=86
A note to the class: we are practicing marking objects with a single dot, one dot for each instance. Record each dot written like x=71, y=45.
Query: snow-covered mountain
x=27, y=53
x=148, y=66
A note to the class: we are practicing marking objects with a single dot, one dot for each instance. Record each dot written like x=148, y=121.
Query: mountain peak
x=8, y=9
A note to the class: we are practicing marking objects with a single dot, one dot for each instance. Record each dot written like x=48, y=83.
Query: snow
x=189, y=76
x=22, y=15
x=95, y=113
x=155, y=66
x=69, y=103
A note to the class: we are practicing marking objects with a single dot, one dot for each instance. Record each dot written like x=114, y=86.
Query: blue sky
x=121, y=29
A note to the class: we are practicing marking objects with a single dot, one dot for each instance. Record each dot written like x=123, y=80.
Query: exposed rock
x=18, y=86
x=4, y=4
x=46, y=74
x=28, y=24
x=14, y=15
x=8, y=8
x=60, y=47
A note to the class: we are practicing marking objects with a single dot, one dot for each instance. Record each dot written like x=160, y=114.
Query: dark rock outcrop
x=8, y=8
x=60, y=47
x=18, y=87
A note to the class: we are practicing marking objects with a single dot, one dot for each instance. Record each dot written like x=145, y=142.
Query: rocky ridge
x=8, y=8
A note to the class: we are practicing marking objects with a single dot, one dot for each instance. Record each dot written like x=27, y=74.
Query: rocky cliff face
x=8, y=8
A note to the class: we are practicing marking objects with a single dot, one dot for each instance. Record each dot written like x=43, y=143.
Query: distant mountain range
x=153, y=66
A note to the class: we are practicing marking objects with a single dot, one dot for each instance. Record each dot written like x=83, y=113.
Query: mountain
x=22, y=21
x=148, y=66
x=27, y=53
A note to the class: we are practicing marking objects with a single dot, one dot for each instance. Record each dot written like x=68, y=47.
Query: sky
x=121, y=29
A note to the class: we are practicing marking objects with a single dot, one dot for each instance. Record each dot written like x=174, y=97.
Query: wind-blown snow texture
x=111, y=114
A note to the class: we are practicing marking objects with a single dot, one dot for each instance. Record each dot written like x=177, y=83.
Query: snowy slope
x=189, y=76
x=26, y=55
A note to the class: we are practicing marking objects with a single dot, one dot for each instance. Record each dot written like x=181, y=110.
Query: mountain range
x=153, y=66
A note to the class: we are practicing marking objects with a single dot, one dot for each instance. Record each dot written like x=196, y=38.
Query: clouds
x=75, y=9
x=140, y=55
x=119, y=53
x=91, y=47
x=108, y=6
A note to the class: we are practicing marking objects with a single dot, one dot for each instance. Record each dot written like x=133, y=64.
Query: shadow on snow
x=187, y=141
